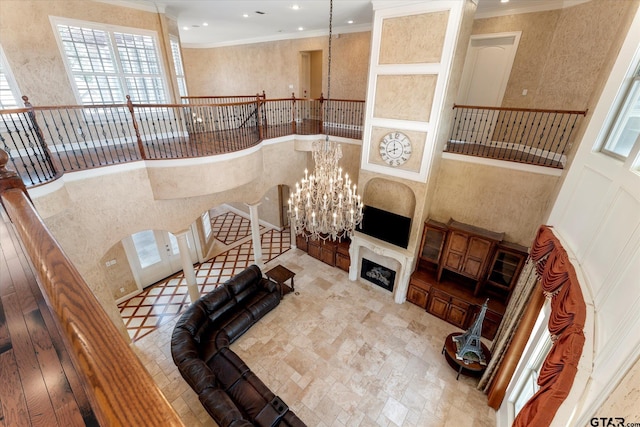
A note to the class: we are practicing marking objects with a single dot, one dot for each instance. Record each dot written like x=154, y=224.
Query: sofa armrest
x=269, y=285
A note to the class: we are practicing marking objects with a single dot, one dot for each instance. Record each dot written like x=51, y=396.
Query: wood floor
x=39, y=385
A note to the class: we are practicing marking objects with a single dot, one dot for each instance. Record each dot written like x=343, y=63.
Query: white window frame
x=206, y=224
x=7, y=75
x=628, y=100
x=110, y=29
x=178, y=65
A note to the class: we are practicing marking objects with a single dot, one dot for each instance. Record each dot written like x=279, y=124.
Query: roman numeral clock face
x=395, y=148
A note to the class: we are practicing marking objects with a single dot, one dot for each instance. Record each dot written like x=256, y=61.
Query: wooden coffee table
x=468, y=367
x=280, y=275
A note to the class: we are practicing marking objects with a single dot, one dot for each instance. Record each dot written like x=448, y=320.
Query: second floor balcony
x=44, y=142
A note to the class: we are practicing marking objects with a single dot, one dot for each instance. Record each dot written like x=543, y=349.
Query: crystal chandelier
x=325, y=205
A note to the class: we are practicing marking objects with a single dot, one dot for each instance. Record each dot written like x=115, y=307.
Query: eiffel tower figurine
x=468, y=344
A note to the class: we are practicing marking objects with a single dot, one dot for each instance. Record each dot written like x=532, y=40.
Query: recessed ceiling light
x=295, y=7
x=205, y=24
x=504, y=1
x=350, y=21
x=300, y=28
x=185, y=28
x=245, y=15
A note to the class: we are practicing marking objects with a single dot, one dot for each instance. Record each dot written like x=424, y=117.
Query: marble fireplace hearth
x=385, y=254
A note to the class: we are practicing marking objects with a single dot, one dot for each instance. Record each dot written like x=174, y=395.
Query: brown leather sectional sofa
x=230, y=392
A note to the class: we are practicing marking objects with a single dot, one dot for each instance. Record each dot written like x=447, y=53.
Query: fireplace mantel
x=403, y=256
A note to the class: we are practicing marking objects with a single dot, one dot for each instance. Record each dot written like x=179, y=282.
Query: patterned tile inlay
x=163, y=301
x=229, y=227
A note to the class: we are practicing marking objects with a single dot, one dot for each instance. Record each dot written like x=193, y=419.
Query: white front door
x=154, y=255
x=484, y=80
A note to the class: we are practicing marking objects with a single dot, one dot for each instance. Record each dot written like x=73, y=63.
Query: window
x=206, y=224
x=177, y=64
x=107, y=63
x=625, y=129
x=9, y=94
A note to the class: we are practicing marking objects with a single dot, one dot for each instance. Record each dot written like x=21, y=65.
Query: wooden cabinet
x=505, y=269
x=333, y=253
x=480, y=265
x=468, y=250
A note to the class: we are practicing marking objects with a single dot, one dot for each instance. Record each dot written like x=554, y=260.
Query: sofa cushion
x=261, y=303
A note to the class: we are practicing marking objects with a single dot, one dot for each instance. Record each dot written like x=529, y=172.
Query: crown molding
x=278, y=37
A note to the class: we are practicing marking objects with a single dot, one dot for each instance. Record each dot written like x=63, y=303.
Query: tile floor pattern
x=163, y=301
x=229, y=227
x=339, y=353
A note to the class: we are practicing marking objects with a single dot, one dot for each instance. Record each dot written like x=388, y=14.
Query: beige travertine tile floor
x=339, y=353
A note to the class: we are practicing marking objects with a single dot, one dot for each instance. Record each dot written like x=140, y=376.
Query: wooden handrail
x=530, y=110
x=120, y=389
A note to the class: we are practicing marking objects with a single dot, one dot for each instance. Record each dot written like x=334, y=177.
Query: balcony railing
x=531, y=136
x=45, y=142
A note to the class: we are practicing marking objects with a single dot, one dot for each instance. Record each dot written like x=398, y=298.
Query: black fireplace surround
x=377, y=274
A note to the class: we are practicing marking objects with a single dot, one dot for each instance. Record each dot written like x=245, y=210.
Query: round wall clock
x=395, y=148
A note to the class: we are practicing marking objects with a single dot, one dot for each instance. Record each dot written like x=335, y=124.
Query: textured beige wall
x=406, y=97
x=401, y=45
x=498, y=199
x=31, y=49
x=119, y=275
x=99, y=211
x=561, y=53
x=273, y=66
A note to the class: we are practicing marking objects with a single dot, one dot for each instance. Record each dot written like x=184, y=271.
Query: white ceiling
x=212, y=23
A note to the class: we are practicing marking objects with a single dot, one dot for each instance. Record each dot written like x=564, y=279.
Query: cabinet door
x=456, y=251
x=301, y=243
x=342, y=261
x=417, y=296
x=433, y=238
x=476, y=256
x=328, y=253
x=314, y=249
x=438, y=303
x=457, y=312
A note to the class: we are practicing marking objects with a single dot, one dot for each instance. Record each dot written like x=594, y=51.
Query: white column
x=187, y=265
x=293, y=235
x=255, y=235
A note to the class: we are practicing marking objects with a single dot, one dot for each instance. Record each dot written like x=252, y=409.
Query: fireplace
x=378, y=274
x=391, y=257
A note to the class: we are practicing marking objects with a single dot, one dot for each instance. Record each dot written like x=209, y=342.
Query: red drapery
x=566, y=325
